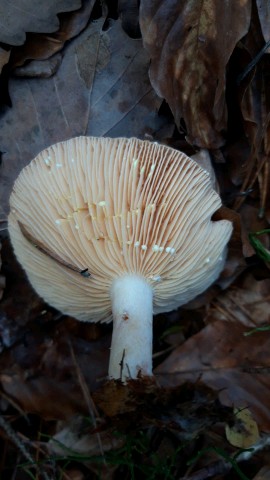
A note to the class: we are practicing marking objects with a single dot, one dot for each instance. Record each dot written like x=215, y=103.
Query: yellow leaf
x=244, y=433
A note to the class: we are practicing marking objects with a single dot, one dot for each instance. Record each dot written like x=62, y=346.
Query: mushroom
x=117, y=229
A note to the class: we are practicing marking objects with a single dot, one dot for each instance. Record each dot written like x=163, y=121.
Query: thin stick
x=14, y=437
x=43, y=249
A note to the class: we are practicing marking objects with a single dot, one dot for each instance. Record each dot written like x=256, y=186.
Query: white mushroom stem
x=131, y=348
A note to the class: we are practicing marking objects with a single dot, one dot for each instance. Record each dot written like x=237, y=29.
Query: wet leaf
x=101, y=88
x=190, y=44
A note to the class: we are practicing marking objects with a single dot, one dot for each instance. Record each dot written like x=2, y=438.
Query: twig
x=253, y=63
x=44, y=249
x=13, y=436
x=14, y=404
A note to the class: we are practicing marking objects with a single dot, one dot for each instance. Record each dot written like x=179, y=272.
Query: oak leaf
x=21, y=16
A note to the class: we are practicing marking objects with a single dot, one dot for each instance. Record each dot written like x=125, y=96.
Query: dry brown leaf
x=41, y=47
x=21, y=16
x=254, y=99
x=44, y=359
x=190, y=44
x=39, y=374
x=255, y=104
x=223, y=358
x=247, y=304
x=101, y=88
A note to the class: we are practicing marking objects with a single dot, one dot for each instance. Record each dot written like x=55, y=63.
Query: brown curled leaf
x=190, y=43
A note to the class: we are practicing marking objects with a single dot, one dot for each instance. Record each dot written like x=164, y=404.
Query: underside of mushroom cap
x=115, y=207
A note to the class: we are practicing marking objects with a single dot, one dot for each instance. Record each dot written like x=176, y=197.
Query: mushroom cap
x=115, y=207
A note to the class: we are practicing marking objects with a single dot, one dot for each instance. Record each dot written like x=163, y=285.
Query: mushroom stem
x=132, y=308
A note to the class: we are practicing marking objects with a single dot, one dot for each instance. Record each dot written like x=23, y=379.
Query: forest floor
x=193, y=76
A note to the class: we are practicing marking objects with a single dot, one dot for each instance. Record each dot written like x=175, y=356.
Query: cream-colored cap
x=115, y=207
